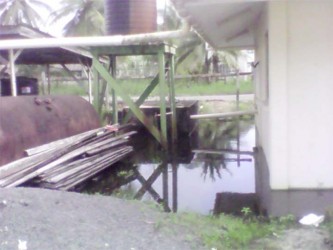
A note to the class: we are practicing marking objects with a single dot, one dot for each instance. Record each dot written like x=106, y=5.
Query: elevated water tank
x=130, y=16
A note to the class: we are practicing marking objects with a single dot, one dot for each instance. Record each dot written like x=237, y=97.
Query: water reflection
x=216, y=158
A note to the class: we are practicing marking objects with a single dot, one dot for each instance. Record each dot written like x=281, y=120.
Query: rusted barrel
x=29, y=121
x=130, y=16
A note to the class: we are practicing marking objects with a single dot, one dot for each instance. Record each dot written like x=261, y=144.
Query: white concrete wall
x=261, y=83
x=298, y=140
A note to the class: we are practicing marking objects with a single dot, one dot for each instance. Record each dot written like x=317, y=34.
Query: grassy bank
x=183, y=88
x=226, y=231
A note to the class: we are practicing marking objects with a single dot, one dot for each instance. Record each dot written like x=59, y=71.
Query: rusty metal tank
x=29, y=121
x=130, y=16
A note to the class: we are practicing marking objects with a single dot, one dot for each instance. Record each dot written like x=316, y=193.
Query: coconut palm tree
x=14, y=12
x=82, y=17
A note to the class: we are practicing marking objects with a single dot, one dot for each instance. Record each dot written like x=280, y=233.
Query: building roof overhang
x=224, y=24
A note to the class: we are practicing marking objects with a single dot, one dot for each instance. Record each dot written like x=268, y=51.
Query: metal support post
x=48, y=74
x=172, y=94
x=90, y=92
x=174, y=187
x=165, y=178
x=96, y=84
x=163, y=91
x=237, y=89
x=12, y=73
x=99, y=68
x=113, y=93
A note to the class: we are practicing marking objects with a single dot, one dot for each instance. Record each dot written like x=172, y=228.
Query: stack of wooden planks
x=65, y=163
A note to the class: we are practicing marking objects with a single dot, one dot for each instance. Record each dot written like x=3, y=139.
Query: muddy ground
x=46, y=219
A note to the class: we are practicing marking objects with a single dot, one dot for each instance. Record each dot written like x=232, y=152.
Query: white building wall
x=298, y=140
x=311, y=94
x=261, y=83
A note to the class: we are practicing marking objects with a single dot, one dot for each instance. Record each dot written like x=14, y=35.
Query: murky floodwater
x=216, y=157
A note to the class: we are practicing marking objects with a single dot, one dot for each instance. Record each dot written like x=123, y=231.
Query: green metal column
x=113, y=93
x=163, y=94
x=172, y=95
x=105, y=74
x=96, y=86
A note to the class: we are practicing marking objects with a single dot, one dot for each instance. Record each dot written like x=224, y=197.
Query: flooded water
x=216, y=158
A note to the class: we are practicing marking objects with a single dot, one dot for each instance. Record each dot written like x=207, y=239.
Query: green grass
x=182, y=87
x=67, y=89
x=229, y=232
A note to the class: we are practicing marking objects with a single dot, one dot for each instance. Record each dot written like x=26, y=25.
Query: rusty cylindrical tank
x=124, y=17
x=29, y=121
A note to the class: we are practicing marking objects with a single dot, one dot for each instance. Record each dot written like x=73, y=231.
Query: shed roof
x=57, y=55
x=222, y=23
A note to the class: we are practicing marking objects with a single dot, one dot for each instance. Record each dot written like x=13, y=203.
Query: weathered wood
x=59, y=143
x=69, y=180
x=76, y=158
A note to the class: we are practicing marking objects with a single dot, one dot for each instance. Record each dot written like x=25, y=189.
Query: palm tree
x=193, y=55
x=14, y=12
x=83, y=17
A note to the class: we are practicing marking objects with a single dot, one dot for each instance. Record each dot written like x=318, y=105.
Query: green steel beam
x=127, y=50
x=134, y=108
x=96, y=89
x=172, y=95
x=163, y=93
x=113, y=92
x=144, y=96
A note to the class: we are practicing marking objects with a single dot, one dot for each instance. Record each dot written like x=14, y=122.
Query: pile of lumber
x=65, y=163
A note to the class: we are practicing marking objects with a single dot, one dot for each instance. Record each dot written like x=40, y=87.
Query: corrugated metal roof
x=222, y=23
x=44, y=55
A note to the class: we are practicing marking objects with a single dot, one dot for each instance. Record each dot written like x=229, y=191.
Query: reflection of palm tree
x=14, y=12
x=217, y=135
x=85, y=17
x=213, y=164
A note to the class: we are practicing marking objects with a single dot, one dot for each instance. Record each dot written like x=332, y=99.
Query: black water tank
x=124, y=17
x=25, y=86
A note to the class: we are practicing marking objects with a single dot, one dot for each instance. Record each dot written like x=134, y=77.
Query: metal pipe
x=224, y=115
x=34, y=43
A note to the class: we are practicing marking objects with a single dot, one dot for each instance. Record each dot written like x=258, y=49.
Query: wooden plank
x=25, y=169
x=60, y=143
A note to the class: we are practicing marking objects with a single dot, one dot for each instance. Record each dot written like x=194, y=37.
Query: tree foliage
x=15, y=12
x=82, y=17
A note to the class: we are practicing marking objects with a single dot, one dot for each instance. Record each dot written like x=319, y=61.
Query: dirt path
x=60, y=220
